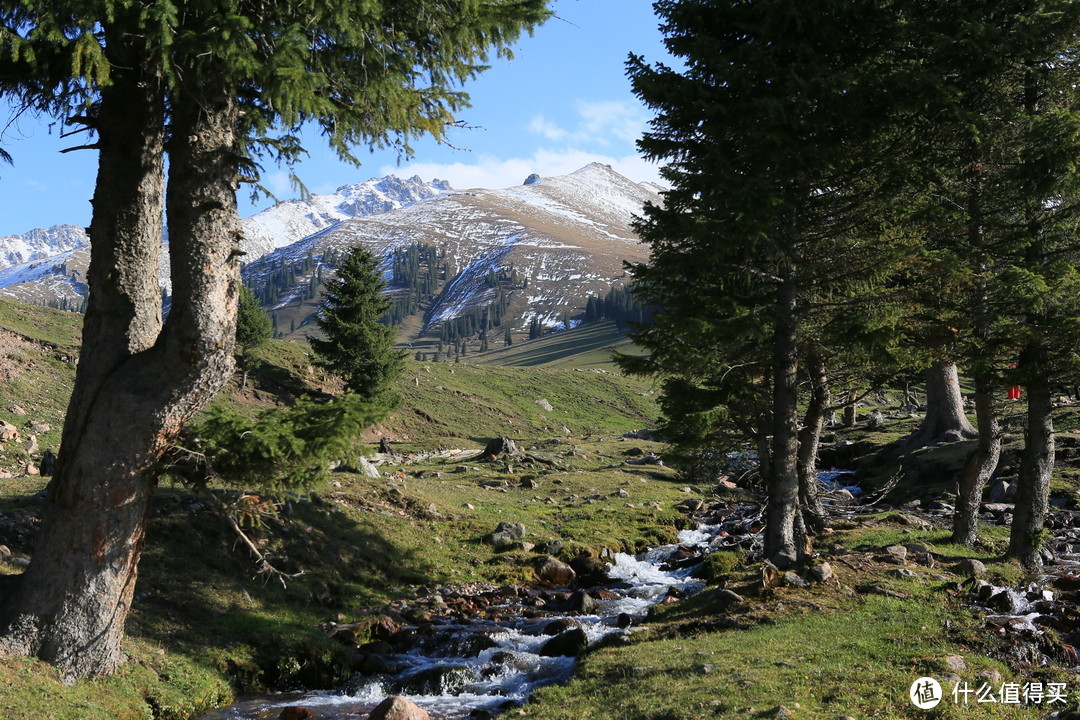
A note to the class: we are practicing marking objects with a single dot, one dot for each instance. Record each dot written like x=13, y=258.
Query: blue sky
x=562, y=102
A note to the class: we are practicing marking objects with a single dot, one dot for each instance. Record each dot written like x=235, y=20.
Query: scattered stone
x=898, y=553
x=32, y=470
x=16, y=410
x=876, y=421
x=780, y=712
x=582, y=602
x=955, y=663
x=8, y=432
x=998, y=492
x=571, y=643
x=544, y=404
x=703, y=669
x=398, y=708
x=820, y=572
x=591, y=571
x=554, y=572
x=366, y=469
x=793, y=580
x=970, y=566
x=914, y=521
x=295, y=713
x=904, y=573
x=551, y=547
x=990, y=677
x=725, y=597
x=529, y=483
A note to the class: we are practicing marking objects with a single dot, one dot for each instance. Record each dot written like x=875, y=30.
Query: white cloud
x=542, y=126
x=599, y=122
x=494, y=172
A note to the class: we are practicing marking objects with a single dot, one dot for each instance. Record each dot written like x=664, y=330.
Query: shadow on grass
x=200, y=594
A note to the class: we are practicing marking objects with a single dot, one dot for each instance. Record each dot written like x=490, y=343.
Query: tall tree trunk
x=781, y=545
x=130, y=400
x=813, y=513
x=980, y=465
x=945, y=419
x=1036, y=465
x=69, y=607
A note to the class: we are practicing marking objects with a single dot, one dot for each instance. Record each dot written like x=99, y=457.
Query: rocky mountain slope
x=48, y=266
x=294, y=220
x=562, y=238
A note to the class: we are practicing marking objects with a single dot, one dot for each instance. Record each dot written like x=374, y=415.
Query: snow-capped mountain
x=39, y=244
x=59, y=281
x=565, y=237
x=294, y=220
x=47, y=266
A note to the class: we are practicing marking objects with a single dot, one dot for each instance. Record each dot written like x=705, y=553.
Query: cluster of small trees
x=849, y=205
x=282, y=279
x=618, y=305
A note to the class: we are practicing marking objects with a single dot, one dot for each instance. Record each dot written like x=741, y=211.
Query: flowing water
x=483, y=667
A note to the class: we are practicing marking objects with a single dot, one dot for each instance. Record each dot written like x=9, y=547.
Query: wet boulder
x=554, y=572
x=438, y=680
x=556, y=627
x=398, y=708
x=590, y=571
x=571, y=643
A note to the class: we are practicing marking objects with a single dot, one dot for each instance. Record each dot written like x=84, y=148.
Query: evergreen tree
x=253, y=328
x=772, y=132
x=356, y=345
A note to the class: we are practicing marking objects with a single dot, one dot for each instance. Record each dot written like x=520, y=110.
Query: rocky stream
x=478, y=651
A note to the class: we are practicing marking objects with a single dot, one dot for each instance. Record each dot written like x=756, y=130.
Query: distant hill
x=537, y=251
x=491, y=260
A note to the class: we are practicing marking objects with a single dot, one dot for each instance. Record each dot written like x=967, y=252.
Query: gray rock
x=725, y=597
x=969, y=566
x=820, y=572
x=582, y=602
x=904, y=573
x=793, y=580
x=506, y=534
x=998, y=492
x=544, y=404
x=571, y=643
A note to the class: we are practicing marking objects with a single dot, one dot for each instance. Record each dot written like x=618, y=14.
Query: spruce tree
x=356, y=345
x=772, y=133
x=253, y=329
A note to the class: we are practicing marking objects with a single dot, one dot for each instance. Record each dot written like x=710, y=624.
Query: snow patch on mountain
x=40, y=243
x=293, y=220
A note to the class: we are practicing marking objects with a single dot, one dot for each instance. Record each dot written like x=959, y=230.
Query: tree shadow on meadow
x=200, y=592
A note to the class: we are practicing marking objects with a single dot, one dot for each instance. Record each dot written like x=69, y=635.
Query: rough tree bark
x=783, y=481
x=137, y=383
x=980, y=465
x=69, y=607
x=1036, y=465
x=813, y=514
x=945, y=420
